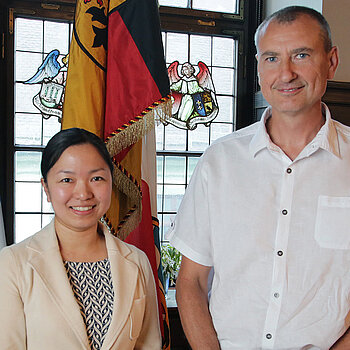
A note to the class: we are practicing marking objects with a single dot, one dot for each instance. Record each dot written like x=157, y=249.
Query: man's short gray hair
x=290, y=14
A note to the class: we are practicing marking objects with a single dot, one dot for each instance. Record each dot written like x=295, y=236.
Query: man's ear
x=333, y=62
x=257, y=60
x=46, y=189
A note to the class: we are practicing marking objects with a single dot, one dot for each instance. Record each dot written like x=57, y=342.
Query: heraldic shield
x=193, y=96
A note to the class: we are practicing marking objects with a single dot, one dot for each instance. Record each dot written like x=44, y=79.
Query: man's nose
x=287, y=71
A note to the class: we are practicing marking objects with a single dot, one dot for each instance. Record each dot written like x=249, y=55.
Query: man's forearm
x=342, y=343
x=196, y=321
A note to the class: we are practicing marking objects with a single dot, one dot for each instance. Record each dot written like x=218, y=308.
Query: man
x=268, y=208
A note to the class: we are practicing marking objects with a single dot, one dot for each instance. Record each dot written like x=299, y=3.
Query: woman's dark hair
x=71, y=137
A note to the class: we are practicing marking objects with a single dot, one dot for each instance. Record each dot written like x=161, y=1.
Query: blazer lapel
x=47, y=262
x=124, y=278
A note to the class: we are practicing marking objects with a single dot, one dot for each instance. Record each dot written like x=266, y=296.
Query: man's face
x=294, y=67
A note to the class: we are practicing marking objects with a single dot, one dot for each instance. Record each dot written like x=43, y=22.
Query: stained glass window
x=178, y=149
x=37, y=118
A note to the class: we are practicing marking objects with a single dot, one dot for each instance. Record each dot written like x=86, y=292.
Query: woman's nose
x=82, y=191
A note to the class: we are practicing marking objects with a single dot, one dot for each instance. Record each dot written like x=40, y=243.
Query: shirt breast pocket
x=332, y=229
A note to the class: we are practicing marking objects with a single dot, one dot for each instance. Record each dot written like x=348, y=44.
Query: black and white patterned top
x=93, y=289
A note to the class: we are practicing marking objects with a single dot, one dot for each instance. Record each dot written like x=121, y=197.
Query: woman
x=73, y=285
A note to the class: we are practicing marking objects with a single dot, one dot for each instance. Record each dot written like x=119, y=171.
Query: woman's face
x=79, y=187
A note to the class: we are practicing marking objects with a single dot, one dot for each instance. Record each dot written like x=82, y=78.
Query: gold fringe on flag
x=126, y=183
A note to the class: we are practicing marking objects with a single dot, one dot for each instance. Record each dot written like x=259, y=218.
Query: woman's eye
x=97, y=178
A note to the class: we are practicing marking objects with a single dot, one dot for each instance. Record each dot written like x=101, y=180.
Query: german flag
x=117, y=85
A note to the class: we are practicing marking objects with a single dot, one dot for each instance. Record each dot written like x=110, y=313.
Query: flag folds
x=117, y=86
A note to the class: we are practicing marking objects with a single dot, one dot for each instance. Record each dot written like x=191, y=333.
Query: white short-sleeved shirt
x=278, y=235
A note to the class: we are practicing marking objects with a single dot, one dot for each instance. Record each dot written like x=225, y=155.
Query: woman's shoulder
x=21, y=250
x=127, y=250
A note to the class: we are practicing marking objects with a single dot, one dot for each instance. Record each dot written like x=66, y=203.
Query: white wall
x=337, y=13
x=271, y=6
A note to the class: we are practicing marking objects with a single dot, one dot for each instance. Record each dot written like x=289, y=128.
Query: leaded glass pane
x=160, y=136
x=172, y=197
x=192, y=162
x=226, y=105
x=198, y=139
x=51, y=127
x=175, y=168
x=174, y=3
x=46, y=206
x=24, y=97
x=56, y=37
x=160, y=165
x=160, y=198
x=27, y=166
x=176, y=47
x=46, y=219
x=27, y=129
x=200, y=49
x=28, y=197
x=175, y=139
x=161, y=234
x=29, y=34
x=223, y=80
x=228, y=6
x=223, y=52
x=219, y=130
x=27, y=63
x=26, y=225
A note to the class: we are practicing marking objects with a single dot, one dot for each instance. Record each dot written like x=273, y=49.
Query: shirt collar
x=261, y=139
x=326, y=138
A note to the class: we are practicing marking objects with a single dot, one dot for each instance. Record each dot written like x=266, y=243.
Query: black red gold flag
x=117, y=85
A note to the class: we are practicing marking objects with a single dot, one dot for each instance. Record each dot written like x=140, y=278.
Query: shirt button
x=276, y=295
x=284, y=211
x=268, y=336
x=289, y=170
x=280, y=253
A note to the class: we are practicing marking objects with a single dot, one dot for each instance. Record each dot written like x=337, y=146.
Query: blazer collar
x=46, y=260
x=124, y=277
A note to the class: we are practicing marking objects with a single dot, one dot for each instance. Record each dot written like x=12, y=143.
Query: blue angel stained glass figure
x=52, y=77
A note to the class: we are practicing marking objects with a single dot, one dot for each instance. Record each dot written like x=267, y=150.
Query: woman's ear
x=46, y=189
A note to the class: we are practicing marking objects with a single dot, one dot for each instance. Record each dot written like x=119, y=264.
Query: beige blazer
x=38, y=310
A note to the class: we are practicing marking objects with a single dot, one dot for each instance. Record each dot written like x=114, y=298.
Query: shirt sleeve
x=12, y=321
x=190, y=232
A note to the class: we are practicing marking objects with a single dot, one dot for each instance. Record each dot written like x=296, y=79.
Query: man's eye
x=66, y=179
x=271, y=59
x=302, y=55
